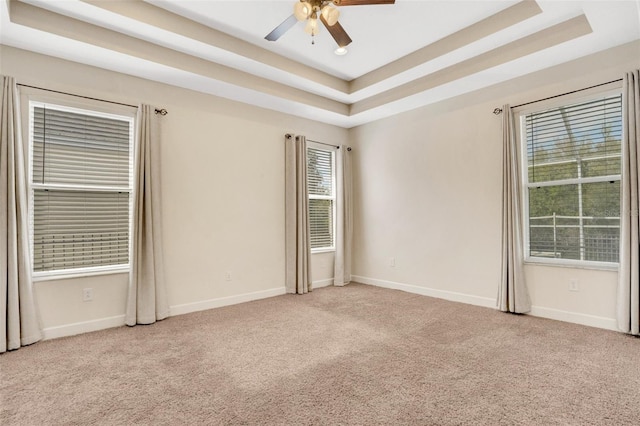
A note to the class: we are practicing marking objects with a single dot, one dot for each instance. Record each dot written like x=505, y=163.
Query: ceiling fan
x=325, y=11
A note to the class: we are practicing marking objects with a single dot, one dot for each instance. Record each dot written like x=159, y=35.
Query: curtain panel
x=513, y=295
x=297, y=241
x=628, y=298
x=19, y=319
x=344, y=218
x=147, y=296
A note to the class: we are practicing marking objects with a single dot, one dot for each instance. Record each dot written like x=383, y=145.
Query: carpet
x=354, y=355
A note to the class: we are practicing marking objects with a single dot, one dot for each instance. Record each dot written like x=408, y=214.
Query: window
x=321, y=188
x=81, y=184
x=572, y=181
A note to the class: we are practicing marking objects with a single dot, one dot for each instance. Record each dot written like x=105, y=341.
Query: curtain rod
x=161, y=111
x=499, y=110
x=328, y=144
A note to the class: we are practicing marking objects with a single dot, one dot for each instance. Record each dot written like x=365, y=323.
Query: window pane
x=575, y=140
x=73, y=148
x=321, y=223
x=320, y=172
x=601, y=203
x=549, y=205
x=74, y=229
x=557, y=231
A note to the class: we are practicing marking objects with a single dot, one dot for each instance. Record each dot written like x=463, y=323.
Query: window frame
x=30, y=98
x=520, y=121
x=333, y=150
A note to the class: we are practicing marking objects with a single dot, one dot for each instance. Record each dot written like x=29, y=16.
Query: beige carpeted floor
x=356, y=355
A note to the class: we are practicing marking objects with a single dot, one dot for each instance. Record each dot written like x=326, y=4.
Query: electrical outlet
x=574, y=285
x=87, y=294
x=227, y=276
x=392, y=262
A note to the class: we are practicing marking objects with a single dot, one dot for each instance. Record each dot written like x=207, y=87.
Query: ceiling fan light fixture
x=327, y=11
x=312, y=26
x=330, y=14
x=302, y=10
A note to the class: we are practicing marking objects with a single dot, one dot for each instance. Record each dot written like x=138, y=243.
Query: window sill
x=79, y=273
x=323, y=250
x=598, y=266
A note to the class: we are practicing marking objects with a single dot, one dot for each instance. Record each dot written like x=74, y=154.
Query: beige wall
x=428, y=193
x=222, y=187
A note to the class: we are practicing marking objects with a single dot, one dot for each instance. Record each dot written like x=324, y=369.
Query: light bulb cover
x=341, y=51
x=330, y=14
x=302, y=10
x=312, y=26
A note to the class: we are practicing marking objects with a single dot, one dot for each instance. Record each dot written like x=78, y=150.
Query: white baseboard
x=425, y=291
x=575, y=317
x=536, y=311
x=82, y=327
x=225, y=301
x=322, y=283
x=117, y=321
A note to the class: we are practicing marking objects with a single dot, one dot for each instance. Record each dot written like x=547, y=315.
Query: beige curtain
x=628, y=308
x=297, y=244
x=344, y=218
x=513, y=295
x=147, y=297
x=19, y=320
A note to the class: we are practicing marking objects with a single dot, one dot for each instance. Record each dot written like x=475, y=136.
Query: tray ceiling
x=403, y=56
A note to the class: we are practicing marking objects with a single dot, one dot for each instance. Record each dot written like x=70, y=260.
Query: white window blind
x=573, y=180
x=321, y=188
x=81, y=184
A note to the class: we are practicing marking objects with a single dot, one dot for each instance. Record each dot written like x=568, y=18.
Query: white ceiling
x=403, y=56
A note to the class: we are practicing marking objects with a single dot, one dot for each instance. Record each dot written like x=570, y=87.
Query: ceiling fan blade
x=337, y=32
x=282, y=28
x=362, y=2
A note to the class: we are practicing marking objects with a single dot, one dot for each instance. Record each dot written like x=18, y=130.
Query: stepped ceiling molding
x=403, y=56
